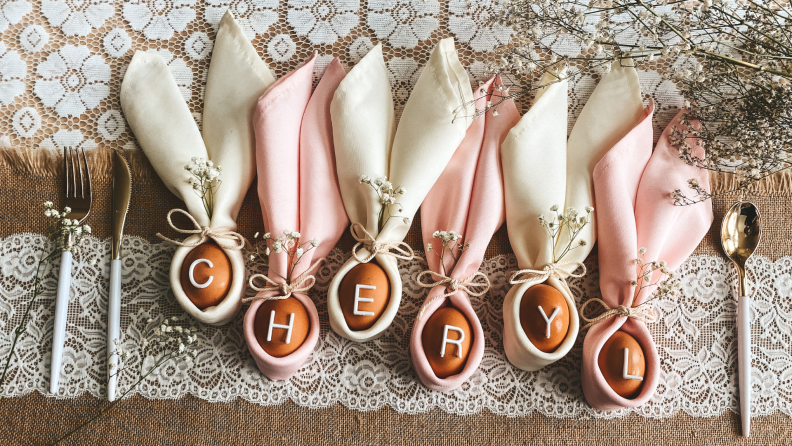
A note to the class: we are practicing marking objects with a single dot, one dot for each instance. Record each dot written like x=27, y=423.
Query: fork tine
x=72, y=157
x=87, y=173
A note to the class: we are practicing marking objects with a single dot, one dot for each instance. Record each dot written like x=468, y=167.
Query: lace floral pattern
x=695, y=338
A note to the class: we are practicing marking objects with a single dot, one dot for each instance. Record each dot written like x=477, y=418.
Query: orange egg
x=361, y=304
x=537, y=307
x=279, y=342
x=611, y=363
x=444, y=351
x=210, y=269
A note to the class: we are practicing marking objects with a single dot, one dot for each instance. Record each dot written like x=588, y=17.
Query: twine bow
x=642, y=313
x=454, y=285
x=374, y=247
x=221, y=236
x=550, y=270
x=299, y=284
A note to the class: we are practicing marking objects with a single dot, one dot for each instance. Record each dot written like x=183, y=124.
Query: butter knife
x=122, y=191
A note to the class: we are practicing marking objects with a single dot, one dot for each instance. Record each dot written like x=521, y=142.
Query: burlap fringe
x=44, y=162
x=778, y=184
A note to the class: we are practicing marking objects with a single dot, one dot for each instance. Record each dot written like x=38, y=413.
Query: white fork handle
x=61, y=308
x=744, y=361
x=113, y=327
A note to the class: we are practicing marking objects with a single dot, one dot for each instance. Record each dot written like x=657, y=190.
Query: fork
x=77, y=188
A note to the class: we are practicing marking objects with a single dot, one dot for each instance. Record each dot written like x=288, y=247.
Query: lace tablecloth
x=61, y=64
x=695, y=337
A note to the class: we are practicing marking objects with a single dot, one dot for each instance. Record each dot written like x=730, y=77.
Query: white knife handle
x=61, y=309
x=113, y=327
x=744, y=360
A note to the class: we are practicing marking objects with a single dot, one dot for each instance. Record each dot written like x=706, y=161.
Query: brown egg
x=355, y=294
x=451, y=360
x=280, y=343
x=611, y=363
x=211, y=272
x=533, y=320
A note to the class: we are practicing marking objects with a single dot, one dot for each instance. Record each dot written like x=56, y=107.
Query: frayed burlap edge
x=44, y=162
x=778, y=184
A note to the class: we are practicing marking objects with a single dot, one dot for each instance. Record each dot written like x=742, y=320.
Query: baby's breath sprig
x=386, y=193
x=64, y=234
x=667, y=283
x=452, y=244
x=700, y=194
x=569, y=220
x=205, y=181
x=287, y=244
x=165, y=341
x=731, y=60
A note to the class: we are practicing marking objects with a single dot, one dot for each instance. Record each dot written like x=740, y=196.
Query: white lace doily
x=62, y=61
x=695, y=338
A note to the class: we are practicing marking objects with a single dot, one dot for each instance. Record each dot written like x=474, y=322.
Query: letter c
x=192, y=278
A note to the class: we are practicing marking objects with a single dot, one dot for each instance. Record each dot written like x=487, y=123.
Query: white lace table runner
x=695, y=338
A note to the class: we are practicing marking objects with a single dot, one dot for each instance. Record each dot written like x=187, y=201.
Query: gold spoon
x=740, y=234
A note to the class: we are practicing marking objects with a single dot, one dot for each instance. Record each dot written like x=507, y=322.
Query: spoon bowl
x=741, y=232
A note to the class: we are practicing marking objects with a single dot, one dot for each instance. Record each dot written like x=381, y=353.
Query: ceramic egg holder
x=413, y=156
x=170, y=138
x=467, y=198
x=298, y=191
x=632, y=184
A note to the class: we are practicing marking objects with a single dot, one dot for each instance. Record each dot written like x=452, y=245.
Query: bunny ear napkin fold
x=412, y=156
x=170, y=138
x=467, y=199
x=298, y=191
x=632, y=185
x=542, y=169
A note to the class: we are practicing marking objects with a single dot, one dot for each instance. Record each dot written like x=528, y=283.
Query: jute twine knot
x=219, y=235
x=641, y=313
x=477, y=280
x=401, y=250
x=550, y=270
x=299, y=284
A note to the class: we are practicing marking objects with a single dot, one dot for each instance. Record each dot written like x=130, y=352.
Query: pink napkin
x=297, y=188
x=632, y=186
x=467, y=198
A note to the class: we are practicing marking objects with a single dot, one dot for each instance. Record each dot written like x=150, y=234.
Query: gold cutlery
x=122, y=191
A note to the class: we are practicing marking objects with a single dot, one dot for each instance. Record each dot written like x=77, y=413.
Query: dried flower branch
x=166, y=341
x=573, y=224
x=288, y=244
x=452, y=244
x=666, y=282
x=205, y=181
x=386, y=193
x=733, y=59
x=63, y=235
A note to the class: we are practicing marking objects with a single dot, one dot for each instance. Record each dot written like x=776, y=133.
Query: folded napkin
x=468, y=199
x=170, y=138
x=298, y=191
x=542, y=169
x=413, y=157
x=633, y=188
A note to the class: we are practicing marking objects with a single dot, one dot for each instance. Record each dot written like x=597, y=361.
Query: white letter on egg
x=457, y=342
x=288, y=328
x=359, y=299
x=625, y=374
x=192, y=278
x=556, y=310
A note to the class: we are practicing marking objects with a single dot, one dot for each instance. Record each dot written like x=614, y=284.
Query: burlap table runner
x=30, y=177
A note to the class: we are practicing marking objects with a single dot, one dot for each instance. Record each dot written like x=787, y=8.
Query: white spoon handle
x=744, y=360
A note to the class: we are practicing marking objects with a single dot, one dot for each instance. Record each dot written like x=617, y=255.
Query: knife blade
x=122, y=192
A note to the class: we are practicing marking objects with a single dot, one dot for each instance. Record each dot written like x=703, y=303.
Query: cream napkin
x=542, y=169
x=169, y=137
x=413, y=157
